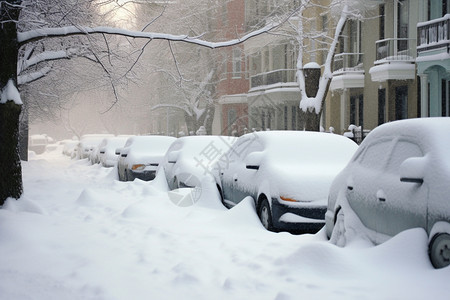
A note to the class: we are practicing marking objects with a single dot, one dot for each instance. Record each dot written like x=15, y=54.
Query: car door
x=400, y=205
x=235, y=176
x=363, y=182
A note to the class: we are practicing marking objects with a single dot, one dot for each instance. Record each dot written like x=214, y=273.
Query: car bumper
x=145, y=175
x=302, y=219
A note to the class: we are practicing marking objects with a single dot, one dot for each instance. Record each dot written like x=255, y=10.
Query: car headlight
x=288, y=199
x=138, y=167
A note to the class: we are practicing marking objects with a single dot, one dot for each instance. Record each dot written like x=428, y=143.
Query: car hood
x=137, y=158
x=304, y=184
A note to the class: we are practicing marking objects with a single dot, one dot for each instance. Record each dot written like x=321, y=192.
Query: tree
x=25, y=22
x=312, y=101
x=196, y=101
x=313, y=31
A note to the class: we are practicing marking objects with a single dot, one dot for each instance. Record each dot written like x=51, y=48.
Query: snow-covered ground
x=78, y=233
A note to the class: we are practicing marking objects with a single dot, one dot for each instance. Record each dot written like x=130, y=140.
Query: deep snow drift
x=78, y=233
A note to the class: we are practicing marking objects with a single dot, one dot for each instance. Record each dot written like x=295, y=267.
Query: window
x=401, y=102
x=381, y=106
x=375, y=155
x=279, y=57
x=361, y=111
x=357, y=110
x=428, y=99
x=294, y=117
x=402, y=24
x=353, y=110
x=448, y=98
x=419, y=97
x=285, y=117
x=444, y=97
x=237, y=63
x=232, y=117
x=263, y=120
x=402, y=150
x=445, y=7
x=381, y=22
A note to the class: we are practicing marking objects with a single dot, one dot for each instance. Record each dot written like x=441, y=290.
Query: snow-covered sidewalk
x=78, y=233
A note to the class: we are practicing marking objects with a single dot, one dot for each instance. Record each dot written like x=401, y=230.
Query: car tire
x=439, y=250
x=338, y=234
x=221, y=196
x=265, y=215
x=175, y=183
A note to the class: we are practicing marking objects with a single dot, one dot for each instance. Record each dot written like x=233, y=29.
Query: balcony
x=395, y=60
x=433, y=36
x=348, y=71
x=273, y=77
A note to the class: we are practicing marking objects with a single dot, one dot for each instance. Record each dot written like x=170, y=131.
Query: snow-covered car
x=141, y=156
x=191, y=158
x=88, y=143
x=107, y=150
x=288, y=174
x=69, y=147
x=38, y=143
x=397, y=180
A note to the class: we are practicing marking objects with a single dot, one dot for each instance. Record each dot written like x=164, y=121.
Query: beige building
x=273, y=97
x=375, y=79
x=381, y=72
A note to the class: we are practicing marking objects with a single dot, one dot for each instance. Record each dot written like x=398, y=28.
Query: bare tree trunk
x=10, y=169
x=311, y=120
x=209, y=118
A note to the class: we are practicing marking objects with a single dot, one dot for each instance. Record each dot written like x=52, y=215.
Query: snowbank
x=79, y=234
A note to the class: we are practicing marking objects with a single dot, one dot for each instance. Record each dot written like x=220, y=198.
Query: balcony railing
x=395, y=49
x=434, y=33
x=272, y=77
x=348, y=62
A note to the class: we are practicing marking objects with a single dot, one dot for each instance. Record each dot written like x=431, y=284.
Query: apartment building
x=393, y=64
x=375, y=79
x=232, y=108
x=433, y=59
x=274, y=94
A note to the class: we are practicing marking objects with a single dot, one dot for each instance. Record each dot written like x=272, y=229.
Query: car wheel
x=175, y=183
x=265, y=215
x=221, y=196
x=338, y=234
x=439, y=250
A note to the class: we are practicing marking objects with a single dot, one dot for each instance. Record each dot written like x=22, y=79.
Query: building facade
x=375, y=79
x=433, y=59
x=232, y=108
x=392, y=65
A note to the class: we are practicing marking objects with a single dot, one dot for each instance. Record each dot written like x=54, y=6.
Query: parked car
x=38, y=143
x=397, y=180
x=69, y=147
x=191, y=158
x=141, y=156
x=288, y=174
x=107, y=150
x=88, y=143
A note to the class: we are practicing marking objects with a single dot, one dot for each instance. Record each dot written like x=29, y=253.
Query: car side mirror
x=413, y=170
x=172, y=157
x=253, y=160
